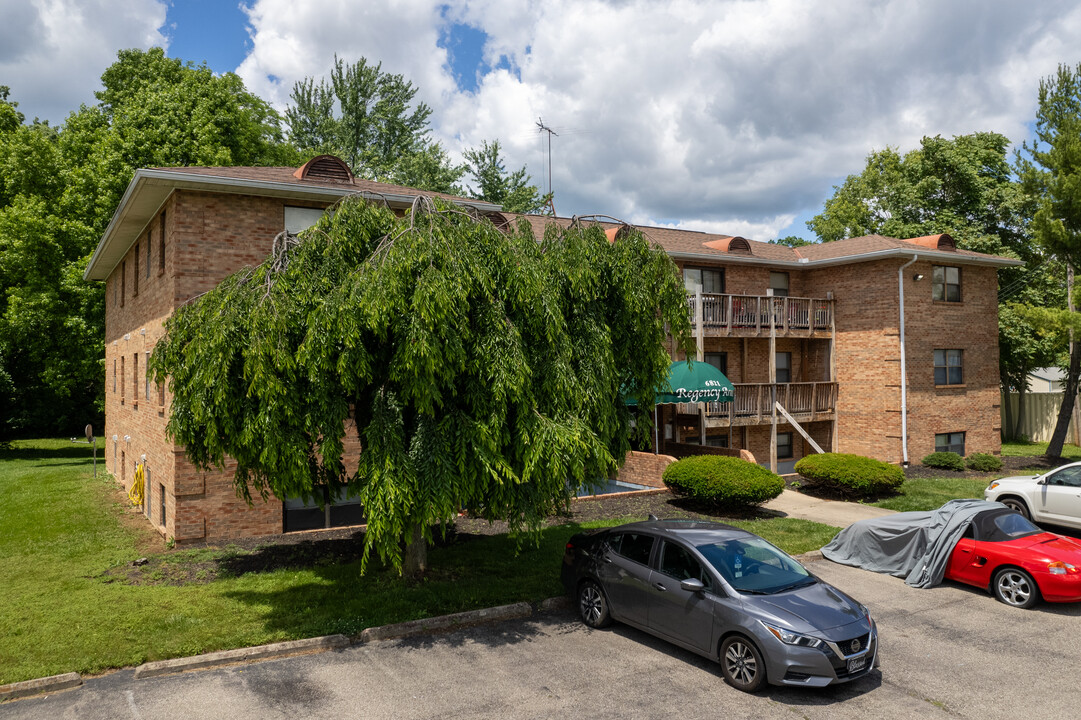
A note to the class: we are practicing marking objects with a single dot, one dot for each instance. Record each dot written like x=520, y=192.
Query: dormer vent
x=326, y=168
x=935, y=242
x=730, y=245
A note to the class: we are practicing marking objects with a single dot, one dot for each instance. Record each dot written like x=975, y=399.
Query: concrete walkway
x=831, y=512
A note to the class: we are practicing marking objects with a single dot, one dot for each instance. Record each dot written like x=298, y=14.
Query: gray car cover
x=912, y=545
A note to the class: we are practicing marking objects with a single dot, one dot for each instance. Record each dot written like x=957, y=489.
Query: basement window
x=161, y=501
x=950, y=442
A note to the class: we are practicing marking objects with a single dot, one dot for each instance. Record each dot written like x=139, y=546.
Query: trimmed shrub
x=850, y=475
x=944, y=461
x=983, y=462
x=722, y=482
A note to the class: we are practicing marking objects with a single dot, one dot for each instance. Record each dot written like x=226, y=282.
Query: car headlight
x=790, y=638
x=993, y=485
x=1061, y=568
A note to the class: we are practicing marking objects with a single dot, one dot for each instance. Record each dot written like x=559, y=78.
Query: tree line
x=59, y=187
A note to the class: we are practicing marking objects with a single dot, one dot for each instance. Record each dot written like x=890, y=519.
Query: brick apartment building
x=818, y=329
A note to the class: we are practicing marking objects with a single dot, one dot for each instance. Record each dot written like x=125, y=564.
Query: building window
x=135, y=376
x=135, y=273
x=946, y=283
x=950, y=442
x=718, y=360
x=161, y=394
x=146, y=491
x=299, y=219
x=161, y=243
x=718, y=440
x=784, y=367
x=778, y=283
x=161, y=502
x=123, y=469
x=114, y=374
x=146, y=382
x=703, y=280
x=784, y=445
x=123, y=279
x=122, y=378
x=148, y=254
x=948, y=367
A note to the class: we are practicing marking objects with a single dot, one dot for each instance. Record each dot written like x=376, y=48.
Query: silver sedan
x=723, y=593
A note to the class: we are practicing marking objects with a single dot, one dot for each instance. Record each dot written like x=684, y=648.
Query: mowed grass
x=61, y=530
x=1032, y=449
x=931, y=493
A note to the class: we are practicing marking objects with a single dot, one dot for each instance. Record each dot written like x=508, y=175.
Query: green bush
x=722, y=482
x=850, y=475
x=944, y=461
x=983, y=462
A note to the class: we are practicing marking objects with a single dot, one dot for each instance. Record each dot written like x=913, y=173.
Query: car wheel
x=593, y=605
x=1015, y=587
x=1018, y=505
x=741, y=664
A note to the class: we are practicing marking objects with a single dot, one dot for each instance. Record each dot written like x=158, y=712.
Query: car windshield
x=753, y=565
x=1015, y=525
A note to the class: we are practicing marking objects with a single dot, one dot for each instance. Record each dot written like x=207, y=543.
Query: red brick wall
x=208, y=236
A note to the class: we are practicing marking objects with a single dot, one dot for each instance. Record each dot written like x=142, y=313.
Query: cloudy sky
x=735, y=117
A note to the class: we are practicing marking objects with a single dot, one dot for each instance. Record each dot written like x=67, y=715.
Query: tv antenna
x=544, y=128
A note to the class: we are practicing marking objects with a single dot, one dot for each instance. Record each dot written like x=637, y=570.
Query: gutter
x=904, y=376
x=804, y=263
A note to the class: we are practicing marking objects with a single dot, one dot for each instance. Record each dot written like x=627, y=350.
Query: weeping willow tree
x=480, y=370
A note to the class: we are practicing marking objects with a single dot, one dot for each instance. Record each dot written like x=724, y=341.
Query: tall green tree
x=368, y=118
x=1050, y=170
x=482, y=371
x=494, y=183
x=58, y=190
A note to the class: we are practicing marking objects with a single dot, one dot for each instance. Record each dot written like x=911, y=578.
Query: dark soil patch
x=208, y=562
x=1011, y=464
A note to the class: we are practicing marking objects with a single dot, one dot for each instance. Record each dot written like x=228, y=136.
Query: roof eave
x=167, y=181
x=805, y=263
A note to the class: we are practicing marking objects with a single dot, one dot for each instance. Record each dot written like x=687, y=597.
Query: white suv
x=1054, y=497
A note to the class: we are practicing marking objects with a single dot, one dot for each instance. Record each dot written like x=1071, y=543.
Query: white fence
x=1041, y=414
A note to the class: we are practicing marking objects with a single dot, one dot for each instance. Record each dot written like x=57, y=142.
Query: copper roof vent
x=327, y=168
x=935, y=242
x=730, y=244
x=616, y=233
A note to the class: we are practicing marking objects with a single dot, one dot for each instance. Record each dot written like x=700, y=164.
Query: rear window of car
x=633, y=546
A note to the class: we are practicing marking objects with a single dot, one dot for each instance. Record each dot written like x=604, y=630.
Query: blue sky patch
x=208, y=30
x=465, y=52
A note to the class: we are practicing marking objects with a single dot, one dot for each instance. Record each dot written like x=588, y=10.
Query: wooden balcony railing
x=724, y=314
x=753, y=403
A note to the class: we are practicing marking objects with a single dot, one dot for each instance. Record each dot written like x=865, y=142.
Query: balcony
x=752, y=315
x=805, y=402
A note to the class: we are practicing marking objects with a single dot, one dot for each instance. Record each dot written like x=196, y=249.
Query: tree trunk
x=1021, y=396
x=1069, y=392
x=1008, y=429
x=416, y=553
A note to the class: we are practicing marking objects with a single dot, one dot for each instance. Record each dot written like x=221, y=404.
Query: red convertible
x=1002, y=550
x=976, y=542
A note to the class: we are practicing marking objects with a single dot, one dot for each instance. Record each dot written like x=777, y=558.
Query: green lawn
x=1032, y=449
x=930, y=493
x=61, y=531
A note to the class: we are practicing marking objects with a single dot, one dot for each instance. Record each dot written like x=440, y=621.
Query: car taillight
x=1061, y=568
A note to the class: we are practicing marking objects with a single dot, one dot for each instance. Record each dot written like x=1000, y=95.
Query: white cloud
x=53, y=52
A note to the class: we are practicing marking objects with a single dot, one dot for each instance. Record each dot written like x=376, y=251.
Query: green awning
x=700, y=382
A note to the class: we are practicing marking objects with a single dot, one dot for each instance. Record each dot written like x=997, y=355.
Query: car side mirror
x=692, y=585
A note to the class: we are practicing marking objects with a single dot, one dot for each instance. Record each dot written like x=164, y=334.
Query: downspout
x=904, y=376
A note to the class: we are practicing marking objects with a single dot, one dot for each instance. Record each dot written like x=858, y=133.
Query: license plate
x=857, y=664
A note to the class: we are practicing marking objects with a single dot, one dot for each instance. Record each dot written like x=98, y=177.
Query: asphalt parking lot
x=947, y=652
